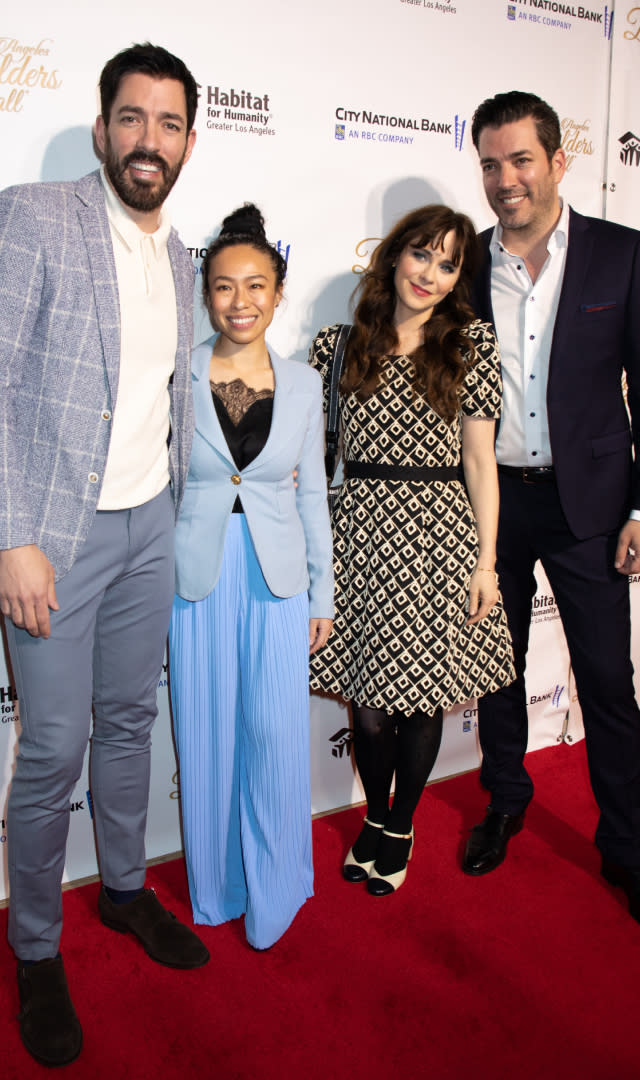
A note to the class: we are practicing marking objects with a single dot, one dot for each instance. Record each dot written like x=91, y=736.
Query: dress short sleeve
x=320, y=357
x=481, y=392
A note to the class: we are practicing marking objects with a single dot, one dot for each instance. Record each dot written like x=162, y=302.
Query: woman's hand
x=483, y=593
x=319, y=630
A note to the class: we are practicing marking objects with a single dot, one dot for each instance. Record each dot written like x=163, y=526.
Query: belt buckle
x=535, y=474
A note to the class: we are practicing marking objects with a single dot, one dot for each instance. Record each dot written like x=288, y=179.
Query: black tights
x=405, y=745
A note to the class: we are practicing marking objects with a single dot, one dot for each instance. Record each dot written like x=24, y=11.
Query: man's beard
x=136, y=194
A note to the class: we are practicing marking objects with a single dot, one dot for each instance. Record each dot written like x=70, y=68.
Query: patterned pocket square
x=604, y=306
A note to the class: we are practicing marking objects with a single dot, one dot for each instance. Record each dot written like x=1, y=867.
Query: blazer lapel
x=482, y=283
x=206, y=417
x=184, y=295
x=575, y=269
x=94, y=223
x=281, y=411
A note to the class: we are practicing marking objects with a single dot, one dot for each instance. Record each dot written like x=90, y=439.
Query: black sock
x=122, y=896
x=30, y=963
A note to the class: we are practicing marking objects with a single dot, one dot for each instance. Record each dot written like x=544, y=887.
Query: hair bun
x=245, y=221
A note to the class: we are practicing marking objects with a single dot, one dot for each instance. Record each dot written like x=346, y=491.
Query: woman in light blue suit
x=254, y=597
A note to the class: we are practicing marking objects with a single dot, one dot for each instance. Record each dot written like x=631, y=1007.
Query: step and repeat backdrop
x=335, y=119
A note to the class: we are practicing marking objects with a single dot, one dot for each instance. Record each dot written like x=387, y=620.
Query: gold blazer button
x=235, y=479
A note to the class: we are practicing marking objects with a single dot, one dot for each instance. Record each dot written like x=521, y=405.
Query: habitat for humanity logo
x=8, y=704
x=553, y=14
x=242, y=112
x=630, y=153
x=341, y=743
x=544, y=608
x=368, y=126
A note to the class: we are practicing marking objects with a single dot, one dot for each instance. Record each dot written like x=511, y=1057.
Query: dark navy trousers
x=593, y=602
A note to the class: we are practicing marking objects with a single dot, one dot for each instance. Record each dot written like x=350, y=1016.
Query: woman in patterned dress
x=419, y=621
x=254, y=595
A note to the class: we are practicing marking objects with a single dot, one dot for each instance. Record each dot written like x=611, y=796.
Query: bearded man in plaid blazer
x=95, y=433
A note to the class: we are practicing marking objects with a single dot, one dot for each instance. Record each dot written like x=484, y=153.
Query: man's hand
x=27, y=589
x=627, y=559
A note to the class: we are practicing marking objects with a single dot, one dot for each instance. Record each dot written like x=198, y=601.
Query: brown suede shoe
x=164, y=938
x=49, y=1027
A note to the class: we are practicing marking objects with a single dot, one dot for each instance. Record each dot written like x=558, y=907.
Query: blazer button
x=235, y=479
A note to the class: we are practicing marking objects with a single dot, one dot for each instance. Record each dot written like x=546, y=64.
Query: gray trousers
x=106, y=648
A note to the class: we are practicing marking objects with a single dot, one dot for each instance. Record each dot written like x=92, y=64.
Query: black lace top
x=245, y=418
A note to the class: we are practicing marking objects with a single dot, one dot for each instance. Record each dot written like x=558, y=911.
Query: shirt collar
x=126, y=228
x=559, y=237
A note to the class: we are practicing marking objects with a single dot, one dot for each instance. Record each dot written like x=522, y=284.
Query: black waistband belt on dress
x=369, y=470
x=542, y=474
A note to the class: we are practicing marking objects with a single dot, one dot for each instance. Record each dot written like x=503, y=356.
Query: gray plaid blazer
x=59, y=363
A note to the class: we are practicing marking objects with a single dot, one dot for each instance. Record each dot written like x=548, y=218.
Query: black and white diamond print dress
x=404, y=551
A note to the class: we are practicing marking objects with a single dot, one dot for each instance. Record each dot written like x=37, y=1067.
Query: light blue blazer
x=289, y=526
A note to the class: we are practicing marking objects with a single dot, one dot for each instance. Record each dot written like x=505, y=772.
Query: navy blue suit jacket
x=596, y=336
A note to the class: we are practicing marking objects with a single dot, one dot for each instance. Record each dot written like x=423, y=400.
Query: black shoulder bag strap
x=332, y=432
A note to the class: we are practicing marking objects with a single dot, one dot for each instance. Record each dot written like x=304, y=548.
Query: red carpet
x=530, y=973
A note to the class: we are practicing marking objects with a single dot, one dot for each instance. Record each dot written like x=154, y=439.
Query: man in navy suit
x=563, y=291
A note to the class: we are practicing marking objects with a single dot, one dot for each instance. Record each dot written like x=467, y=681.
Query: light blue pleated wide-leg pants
x=239, y=665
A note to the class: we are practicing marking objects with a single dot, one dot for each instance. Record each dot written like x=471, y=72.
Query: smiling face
x=520, y=182
x=145, y=142
x=423, y=277
x=243, y=294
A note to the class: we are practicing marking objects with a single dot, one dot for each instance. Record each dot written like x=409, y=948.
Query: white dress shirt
x=525, y=316
x=137, y=466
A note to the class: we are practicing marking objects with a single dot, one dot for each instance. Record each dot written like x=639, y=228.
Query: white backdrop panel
x=623, y=175
x=359, y=112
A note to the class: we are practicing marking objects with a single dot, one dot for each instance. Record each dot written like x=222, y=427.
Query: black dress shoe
x=487, y=845
x=49, y=1027
x=625, y=878
x=164, y=938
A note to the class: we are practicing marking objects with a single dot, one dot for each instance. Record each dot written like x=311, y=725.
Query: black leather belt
x=542, y=474
x=366, y=470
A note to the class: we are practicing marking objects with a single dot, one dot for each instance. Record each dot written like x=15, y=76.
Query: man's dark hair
x=517, y=105
x=150, y=60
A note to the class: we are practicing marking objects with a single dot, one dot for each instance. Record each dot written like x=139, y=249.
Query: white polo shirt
x=137, y=466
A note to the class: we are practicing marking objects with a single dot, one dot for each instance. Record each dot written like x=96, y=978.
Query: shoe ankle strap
x=373, y=824
x=399, y=835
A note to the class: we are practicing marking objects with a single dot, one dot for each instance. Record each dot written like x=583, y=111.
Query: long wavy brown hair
x=438, y=362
